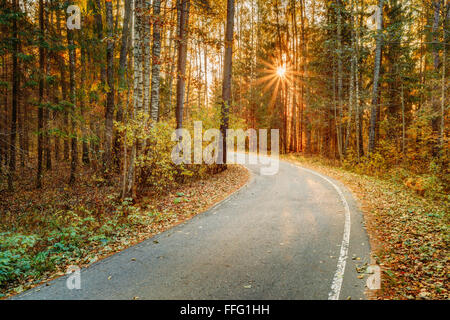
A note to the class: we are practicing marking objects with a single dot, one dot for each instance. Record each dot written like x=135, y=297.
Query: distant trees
x=73, y=98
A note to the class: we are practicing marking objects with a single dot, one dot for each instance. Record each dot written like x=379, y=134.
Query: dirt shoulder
x=409, y=234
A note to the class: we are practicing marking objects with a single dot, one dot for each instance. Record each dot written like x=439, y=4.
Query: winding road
x=294, y=235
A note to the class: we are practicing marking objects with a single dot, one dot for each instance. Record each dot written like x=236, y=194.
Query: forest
x=92, y=90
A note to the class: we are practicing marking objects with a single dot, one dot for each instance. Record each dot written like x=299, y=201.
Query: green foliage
x=14, y=257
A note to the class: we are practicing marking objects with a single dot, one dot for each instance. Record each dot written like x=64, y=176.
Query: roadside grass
x=41, y=234
x=409, y=232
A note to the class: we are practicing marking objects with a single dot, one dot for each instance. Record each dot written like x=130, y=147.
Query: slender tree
x=109, y=116
x=156, y=63
x=227, y=74
x=183, y=7
x=376, y=78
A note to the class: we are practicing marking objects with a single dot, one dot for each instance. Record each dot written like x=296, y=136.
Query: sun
x=277, y=76
x=281, y=71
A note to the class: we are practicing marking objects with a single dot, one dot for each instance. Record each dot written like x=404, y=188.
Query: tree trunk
x=227, y=74
x=85, y=147
x=122, y=76
x=376, y=78
x=183, y=7
x=146, y=56
x=339, y=78
x=41, y=95
x=436, y=117
x=109, y=116
x=63, y=83
x=128, y=188
x=15, y=91
x=72, y=66
x=156, y=64
x=446, y=21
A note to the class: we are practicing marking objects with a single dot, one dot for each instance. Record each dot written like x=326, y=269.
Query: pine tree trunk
x=339, y=78
x=436, y=117
x=183, y=7
x=85, y=147
x=446, y=22
x=376, y=78
x=15, y=91
x=47, y=120
x=109, y=116
x=227, y=74
x=63, y=83
x=72, y=66
x=41, y=95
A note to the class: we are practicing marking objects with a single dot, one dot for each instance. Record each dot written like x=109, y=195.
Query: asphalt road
x=294, y=235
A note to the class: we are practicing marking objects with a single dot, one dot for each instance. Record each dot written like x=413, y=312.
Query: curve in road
x=280, y=237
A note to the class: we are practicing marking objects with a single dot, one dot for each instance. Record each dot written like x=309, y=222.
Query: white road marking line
x=339, y=275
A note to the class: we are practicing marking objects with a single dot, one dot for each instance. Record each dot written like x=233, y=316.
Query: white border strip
x=339, y=275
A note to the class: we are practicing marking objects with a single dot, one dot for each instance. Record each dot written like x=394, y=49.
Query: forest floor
x=43, y=232
x=409, y=233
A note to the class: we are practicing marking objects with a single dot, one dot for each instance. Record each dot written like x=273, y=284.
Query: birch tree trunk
x=137, y=93
x=156, y=63
x=122, y=83
x=145, y=23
